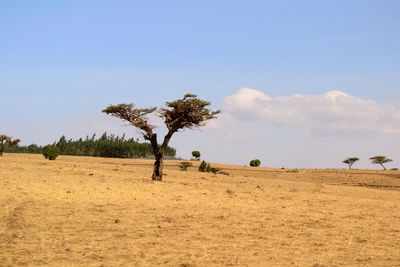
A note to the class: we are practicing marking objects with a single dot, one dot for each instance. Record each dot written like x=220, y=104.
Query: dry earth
x=79, y=211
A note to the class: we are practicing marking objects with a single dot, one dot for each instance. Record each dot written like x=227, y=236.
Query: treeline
x=109, y=146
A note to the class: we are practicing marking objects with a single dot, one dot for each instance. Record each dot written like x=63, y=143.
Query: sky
x=299, y=83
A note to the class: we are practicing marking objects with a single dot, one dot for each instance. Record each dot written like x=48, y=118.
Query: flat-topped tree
x=350, y=161
x=6, y=141
x=380, y=160
x=186, y=113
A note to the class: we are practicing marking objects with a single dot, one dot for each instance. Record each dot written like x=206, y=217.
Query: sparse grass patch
x=184, y=165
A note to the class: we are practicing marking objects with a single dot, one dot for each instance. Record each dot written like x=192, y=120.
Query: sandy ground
x=79, y=211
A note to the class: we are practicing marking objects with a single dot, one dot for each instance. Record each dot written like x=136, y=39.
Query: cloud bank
x=330, y=114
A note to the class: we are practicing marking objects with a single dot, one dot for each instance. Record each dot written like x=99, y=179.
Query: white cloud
x=227, y=127
x=332, y=113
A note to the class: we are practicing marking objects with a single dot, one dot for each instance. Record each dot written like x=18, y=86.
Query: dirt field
x=79, y=211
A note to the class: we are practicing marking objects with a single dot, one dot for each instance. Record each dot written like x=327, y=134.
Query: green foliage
x=184, y=165
x=50, y=152
x=196, y=154
x=6, y=142
x=206, y=167
x=255, y=163
x=109, y=146
x=188, y=112
x=31, y=149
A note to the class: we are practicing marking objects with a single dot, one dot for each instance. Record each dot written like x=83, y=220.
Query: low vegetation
x=206, y=167
x=184, y=165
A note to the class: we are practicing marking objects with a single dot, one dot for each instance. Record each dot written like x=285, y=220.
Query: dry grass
x=79, y=211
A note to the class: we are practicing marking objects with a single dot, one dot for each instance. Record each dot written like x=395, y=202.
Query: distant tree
x=108, y=145
x=350, y=161
x=186, y=113
x=196, y=154
x=380, y=160
x=6, y=141
x=255, y=163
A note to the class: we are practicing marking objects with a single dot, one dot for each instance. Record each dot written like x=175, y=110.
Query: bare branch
x=135, y=116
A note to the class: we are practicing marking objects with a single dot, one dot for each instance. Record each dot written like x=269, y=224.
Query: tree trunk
x=158, y=167
x=384, y=168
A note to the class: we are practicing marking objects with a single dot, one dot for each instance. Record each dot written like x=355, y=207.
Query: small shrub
x=394, y=169
x=206, y=167
x=255, y=163
x=50, y=152
x=184, y=165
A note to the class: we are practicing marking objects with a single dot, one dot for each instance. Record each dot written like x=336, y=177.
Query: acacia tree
x=186, y=113
x=350, y=161
x=6, y=141
x=380, y=160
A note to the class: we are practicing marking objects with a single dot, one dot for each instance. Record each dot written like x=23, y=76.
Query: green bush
x=50, y=152
x=255, y=163
x=206, y=167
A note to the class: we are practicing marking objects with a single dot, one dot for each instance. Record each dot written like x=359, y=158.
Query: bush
x=255, y=163
x=50, y=152
x=206, y=167
x=184, y=165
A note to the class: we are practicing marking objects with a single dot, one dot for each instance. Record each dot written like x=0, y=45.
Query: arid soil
x=79, y=211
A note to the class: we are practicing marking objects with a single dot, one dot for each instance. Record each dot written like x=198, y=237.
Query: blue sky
x=61, y=62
